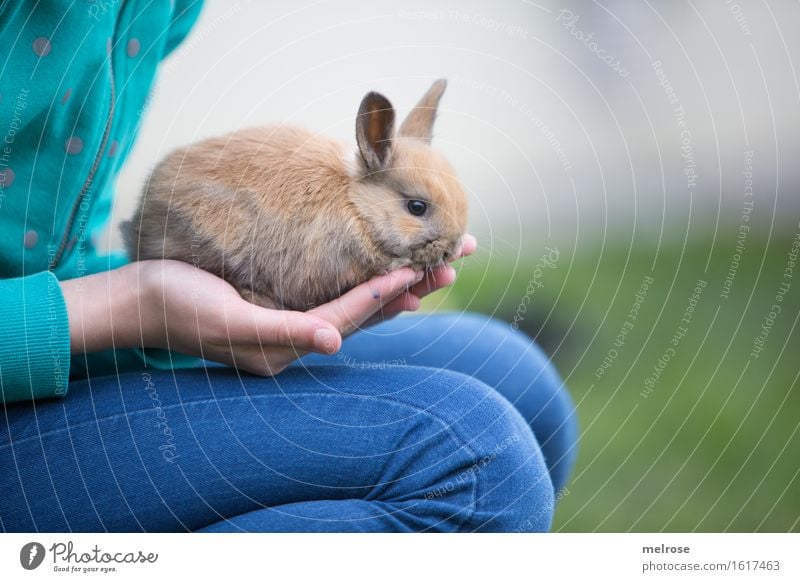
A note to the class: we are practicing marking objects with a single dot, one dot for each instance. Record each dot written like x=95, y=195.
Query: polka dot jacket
x=74, y=80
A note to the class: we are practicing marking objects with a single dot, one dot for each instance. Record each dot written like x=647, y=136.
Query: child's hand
x=434, y=280
x=173, y=305
x=188, y=310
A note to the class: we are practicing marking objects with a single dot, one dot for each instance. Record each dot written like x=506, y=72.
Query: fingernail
x=418, y=275
x=325, y=339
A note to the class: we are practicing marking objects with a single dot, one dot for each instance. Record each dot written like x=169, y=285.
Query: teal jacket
x=74, y=81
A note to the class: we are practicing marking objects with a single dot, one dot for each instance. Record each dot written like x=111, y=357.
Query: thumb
x=300, y=331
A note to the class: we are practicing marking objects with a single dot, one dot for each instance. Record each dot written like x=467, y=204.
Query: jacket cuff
x=34, y=339
x=114, y=362
x=159, y=359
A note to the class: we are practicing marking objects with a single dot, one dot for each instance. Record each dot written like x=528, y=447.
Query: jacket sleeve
x=34, y=338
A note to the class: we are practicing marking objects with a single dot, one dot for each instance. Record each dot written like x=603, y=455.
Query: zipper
x=95, y=166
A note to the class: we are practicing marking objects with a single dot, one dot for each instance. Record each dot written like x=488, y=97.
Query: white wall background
x=528, y=95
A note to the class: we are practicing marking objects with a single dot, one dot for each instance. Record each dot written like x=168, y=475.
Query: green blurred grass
x=716, y=445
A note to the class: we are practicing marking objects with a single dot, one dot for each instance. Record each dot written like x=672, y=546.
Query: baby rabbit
x=292, y=219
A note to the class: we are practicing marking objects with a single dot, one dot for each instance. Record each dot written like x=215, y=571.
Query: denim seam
x=460, y=440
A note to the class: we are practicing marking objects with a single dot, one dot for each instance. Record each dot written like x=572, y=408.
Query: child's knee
x=500, y=481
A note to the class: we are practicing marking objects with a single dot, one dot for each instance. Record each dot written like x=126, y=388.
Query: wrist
x=94, y=311
x=115, y=309
x=137, y=307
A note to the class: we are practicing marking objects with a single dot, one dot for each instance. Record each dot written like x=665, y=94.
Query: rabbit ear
x=374, y=129
x=419, y=122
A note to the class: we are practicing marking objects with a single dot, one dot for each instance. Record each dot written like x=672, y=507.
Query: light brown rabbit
x=293, y=219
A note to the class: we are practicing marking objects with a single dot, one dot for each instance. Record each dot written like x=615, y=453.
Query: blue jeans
x=424, y=423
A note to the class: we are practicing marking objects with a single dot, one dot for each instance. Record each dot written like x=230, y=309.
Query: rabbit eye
x=417, y=207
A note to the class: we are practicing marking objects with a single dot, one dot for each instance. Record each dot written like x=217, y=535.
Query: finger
x=435, y=279
x=405, y=302
x=295, y=330
x=352, y=309
x=468, y=246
